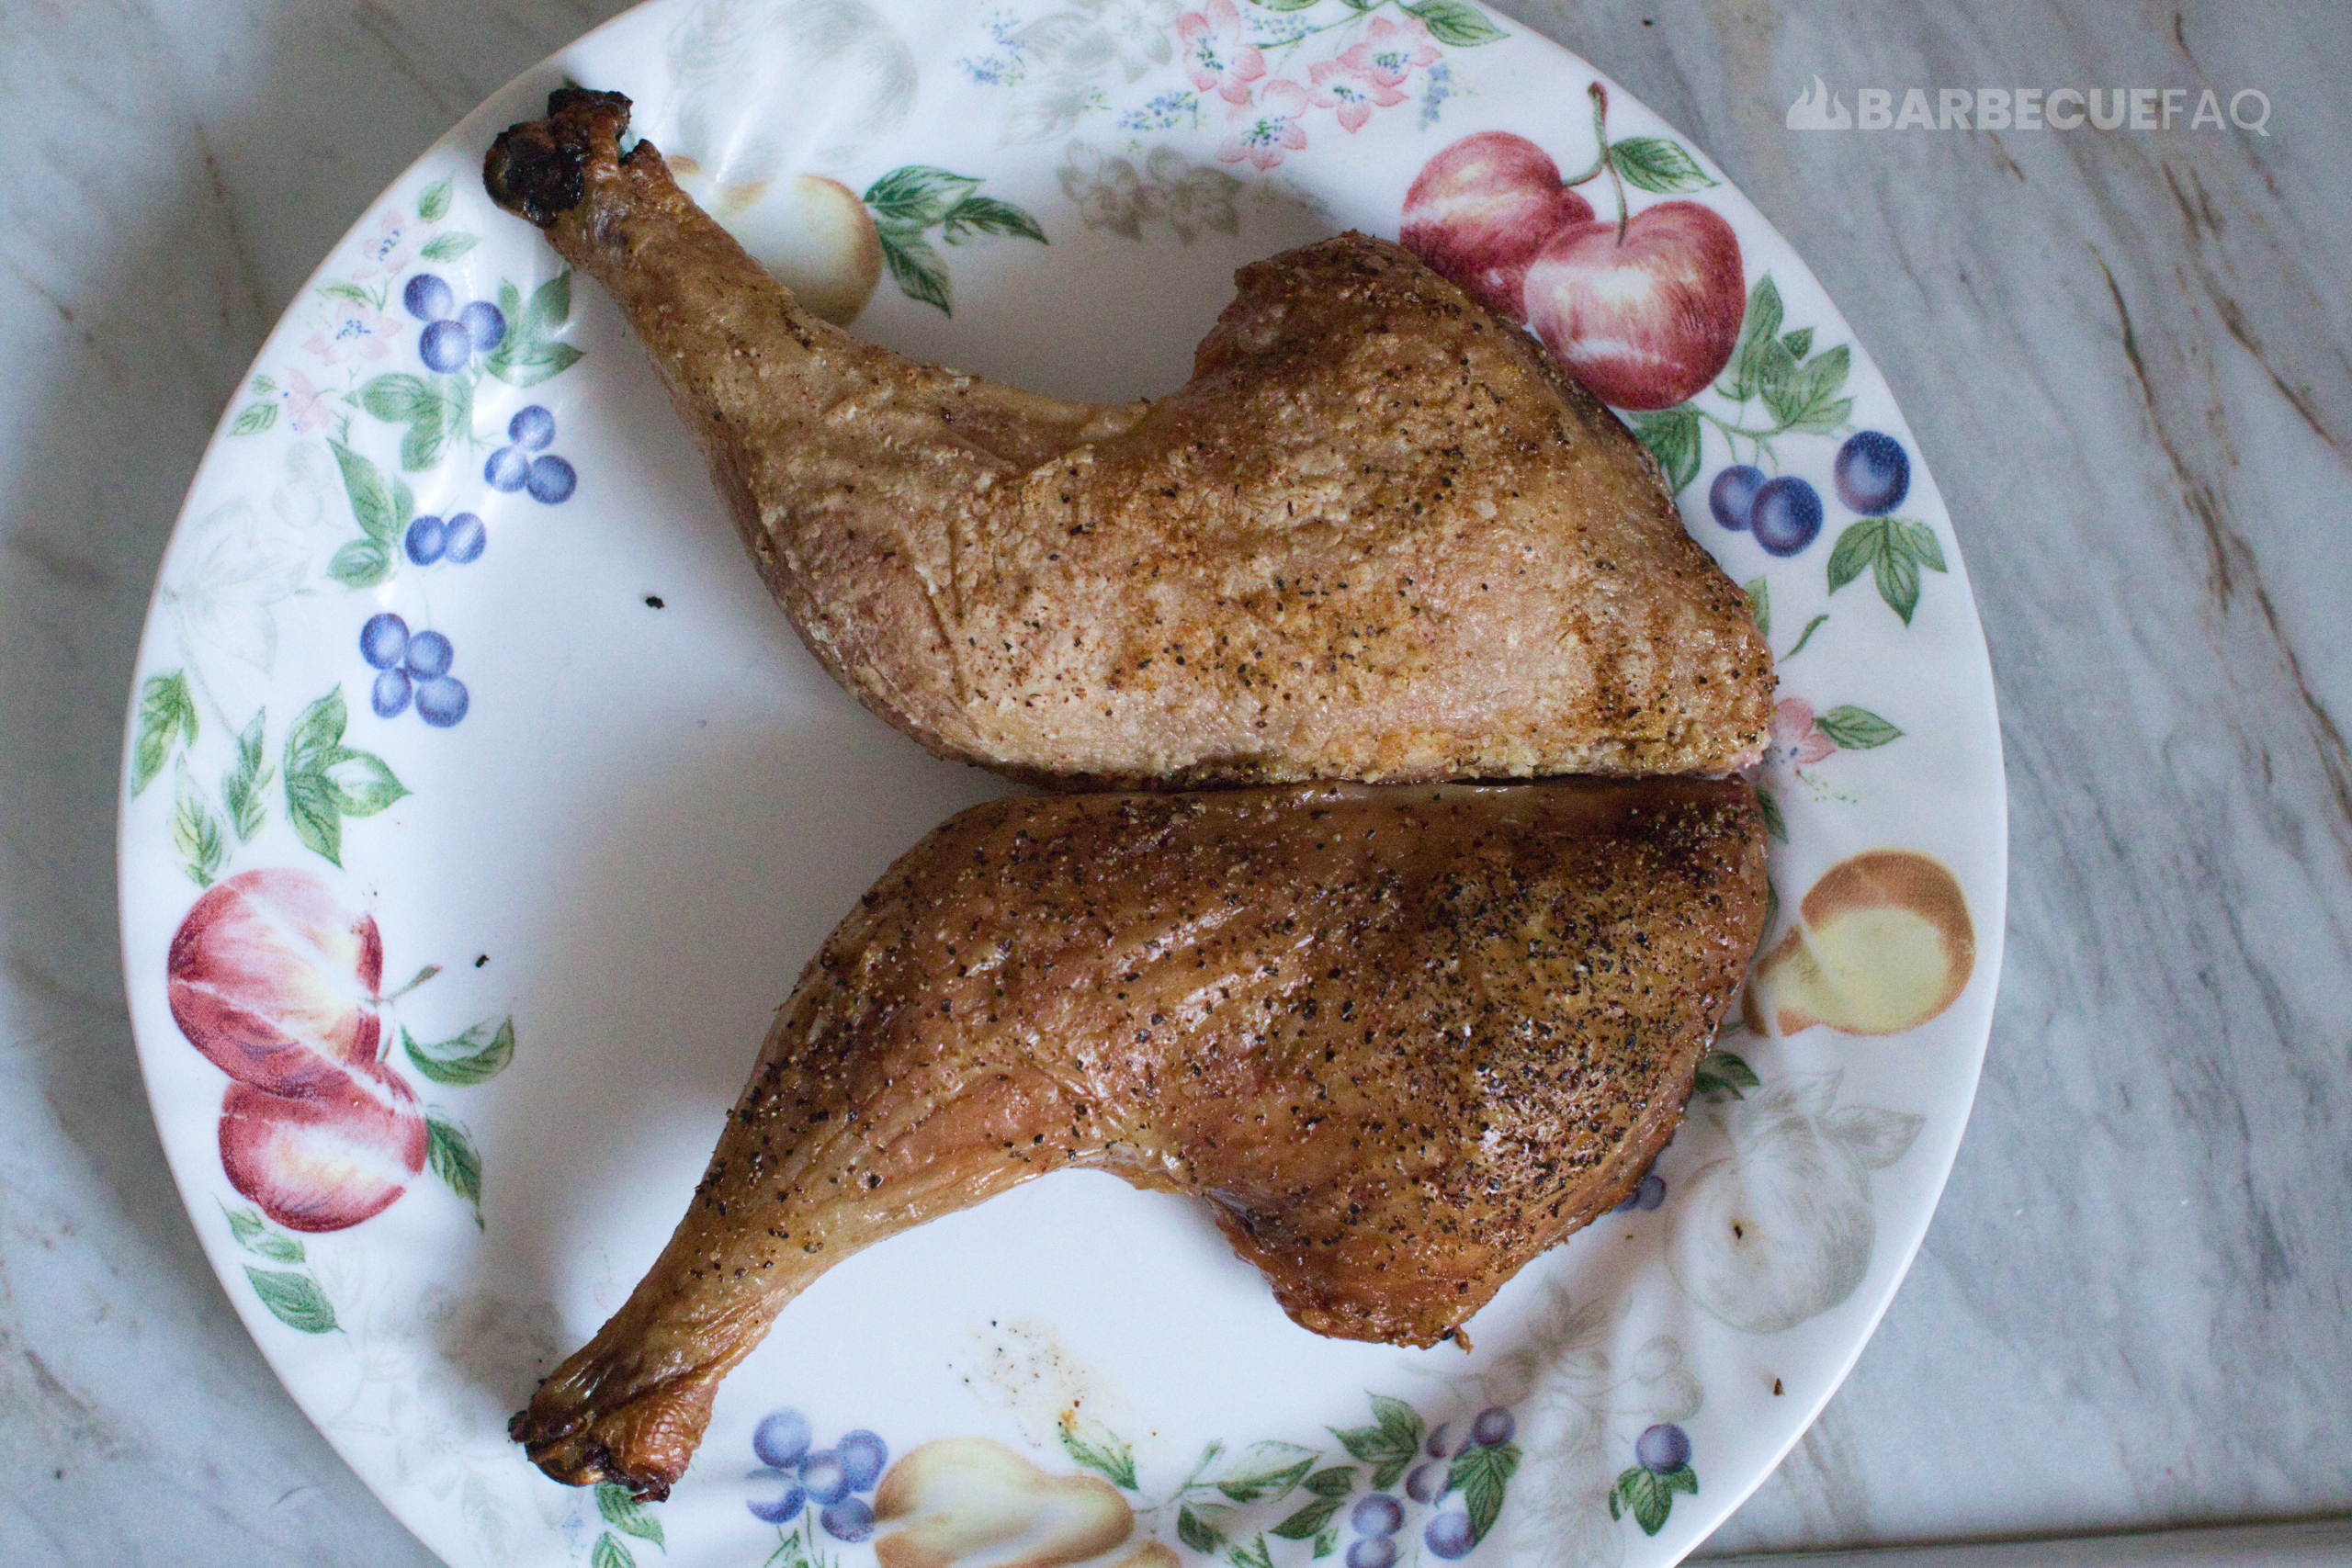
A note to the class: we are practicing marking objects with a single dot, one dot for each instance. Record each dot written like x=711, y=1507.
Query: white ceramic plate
x=628, y=807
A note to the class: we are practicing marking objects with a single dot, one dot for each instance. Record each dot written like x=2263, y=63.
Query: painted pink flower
x=305, y=404
x=389, y=248
x=1218, y=55
x=1340, y=87
x=355, y=329
x=1795, y=734
x=1271, y=128
x=1390, y=52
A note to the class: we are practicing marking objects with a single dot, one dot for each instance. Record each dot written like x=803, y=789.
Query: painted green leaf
x=1894, y=550
x=1336, y=1482
x=1481, y=1474
x=987, y=215
x=362, y=563
x=364, y=783
x=351, y=293
x=166, y=711
x=1266, y=1472
x=241, y=789
x=1389, y=1444
x=255, y=418
x=448, y=247
x=1805, y=397
x=433, y=205
x=1799, y=342
x=1196, y=1532
x=1328, y=1542
x=541, y=363
x=1101, y=1451
x=326, y=780
x=916, y=269
x=1776, y=827
x=1456, y=23
x=254, y=1234
x=918, y=196
x=295, y=1300
x=196, y=831
x=1308, y=1522
x=1657, y=164
x=628, y=1516
x=1759, y=604
x=478, y=1055
x=1649, y=1497
x=1253, y=1555
x=451, y=1154
x=375, y=505
x=610, y=1553
x=1724, y=1073
x=395, y=398
x=1672, y=437
x=1760, y=331
x=1857, y=729
x=550, y=307
x=1285, y=4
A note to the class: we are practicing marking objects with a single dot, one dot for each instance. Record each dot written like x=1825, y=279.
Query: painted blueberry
x=429, y=653
x=463, y=537
x=851, y=1519
x=776, y=1511
x=428, y=298
x=389, y=697
x=428, y=539
x=1787, y=515
x=485, y=326
x=1436, y=1444
x=1450, y=1536
x=1873, y=474
x=1732, y=498
x=1493, y=1428
x=532, y=429
x=781, y=1438
x=383, y=641
x=1372, y=1552
x=1663, y=1448
x=826, y=1477
x=1427, y=1483
x=508, y=468
x=444, y=348
x=442, y=700
x=1378, y=1514
x=863, y=1457
x=552, y=480
x=1650, y=1193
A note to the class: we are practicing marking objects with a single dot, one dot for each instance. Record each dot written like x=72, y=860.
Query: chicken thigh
x=1378, y=535
x=1401, y=1038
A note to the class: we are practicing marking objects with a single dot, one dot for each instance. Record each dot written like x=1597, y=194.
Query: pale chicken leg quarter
x=1402, y=1038
x=1378, y=535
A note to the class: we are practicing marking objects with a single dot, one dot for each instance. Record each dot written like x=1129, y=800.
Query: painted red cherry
x=1480, y=211
x=337, y=1152
x=1647, y=321
x=274, y=981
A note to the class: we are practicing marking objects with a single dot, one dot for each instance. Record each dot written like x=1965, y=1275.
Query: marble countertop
x=2125, y=355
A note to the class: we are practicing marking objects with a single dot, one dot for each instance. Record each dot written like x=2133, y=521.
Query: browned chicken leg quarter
x=1378, y=535
x=1403, y=1038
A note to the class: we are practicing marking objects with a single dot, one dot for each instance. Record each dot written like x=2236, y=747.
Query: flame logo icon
x=1817, y=110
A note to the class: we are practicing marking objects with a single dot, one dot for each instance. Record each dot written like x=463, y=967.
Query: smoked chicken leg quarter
x=1401, y=1039
x=1378, y=535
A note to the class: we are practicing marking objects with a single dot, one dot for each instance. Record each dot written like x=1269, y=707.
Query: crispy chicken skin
x=1402, y=1038
x=1378, y=535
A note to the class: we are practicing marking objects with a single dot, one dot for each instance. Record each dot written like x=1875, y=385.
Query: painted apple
x=1480, y=211
x=1647, y=320
x=812, y=232
x=339, y=1151
x=275, y=982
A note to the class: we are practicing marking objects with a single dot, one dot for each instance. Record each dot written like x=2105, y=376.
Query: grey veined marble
x=2125, y=354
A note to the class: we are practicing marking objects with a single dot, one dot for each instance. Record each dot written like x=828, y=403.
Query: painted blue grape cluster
x=458, y=539
x=1646, y=1197
x=1785, y=513
x=548, y=478
x=1450, y=1533
x=411, y=666
x=833, y=1481
x=453, y=335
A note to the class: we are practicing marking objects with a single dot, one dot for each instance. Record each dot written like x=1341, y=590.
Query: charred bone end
x=539, y=170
